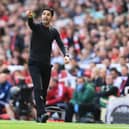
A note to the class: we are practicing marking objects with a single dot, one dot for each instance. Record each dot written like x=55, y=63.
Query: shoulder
x=53, y=29
x=54, y=32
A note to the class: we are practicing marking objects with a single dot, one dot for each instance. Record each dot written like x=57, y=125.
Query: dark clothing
x=125, y=83
x=99, y=82
x=40, y=74
x=82, y=102
x=5, y=91
x=84, y=95
x=83, y=109
x=104, y=94
x=4, y=94
x=39, y=62
x=41, y=41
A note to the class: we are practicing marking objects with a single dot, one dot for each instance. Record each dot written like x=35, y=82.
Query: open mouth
x=45, y=19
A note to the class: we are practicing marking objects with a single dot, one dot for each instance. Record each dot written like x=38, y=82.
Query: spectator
x=5, y=96
x=57, y=93
x=99, y=77
x=125, y=79
x=107, y=90
x=116, y=77
x=82, y=101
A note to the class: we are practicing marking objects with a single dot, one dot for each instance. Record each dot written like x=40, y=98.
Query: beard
x=45, y=22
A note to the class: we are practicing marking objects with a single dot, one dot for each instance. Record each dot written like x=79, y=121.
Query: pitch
x=57, y=125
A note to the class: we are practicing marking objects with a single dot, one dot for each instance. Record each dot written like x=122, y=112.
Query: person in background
x=107, y=90
x=57, y=93
x=117, y=80
x=125, y=78
x=82, y=101
x=5, y=96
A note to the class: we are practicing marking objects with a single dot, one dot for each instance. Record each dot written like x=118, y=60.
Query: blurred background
x=96, y=33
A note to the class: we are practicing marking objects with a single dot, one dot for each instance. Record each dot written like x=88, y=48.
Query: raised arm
x=31, y=23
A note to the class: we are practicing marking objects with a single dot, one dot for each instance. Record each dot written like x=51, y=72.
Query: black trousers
x=83, y=109
x=40, y=74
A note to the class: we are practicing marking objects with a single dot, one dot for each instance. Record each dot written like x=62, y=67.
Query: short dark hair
x=114, y=69
x=6, y=71
x=49, y=9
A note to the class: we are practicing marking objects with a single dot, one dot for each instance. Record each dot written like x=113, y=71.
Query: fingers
x=29, y=13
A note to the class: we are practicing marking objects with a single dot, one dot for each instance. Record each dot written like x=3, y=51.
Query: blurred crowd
x=96, y=33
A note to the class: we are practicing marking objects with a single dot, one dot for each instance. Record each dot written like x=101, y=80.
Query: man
x=117, y=80
x=39, y=62
x=57, y=93
x=107, y=90
x=82, y=101
x=105, y=93
x=125, y=79
x=5, y=96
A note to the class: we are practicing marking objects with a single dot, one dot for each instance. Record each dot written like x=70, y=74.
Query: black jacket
x=41, y=41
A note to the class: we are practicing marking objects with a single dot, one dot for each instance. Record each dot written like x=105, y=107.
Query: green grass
x=56, y=125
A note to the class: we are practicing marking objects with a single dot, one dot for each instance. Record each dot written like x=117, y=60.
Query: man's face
x=46, y=17
x=114, y=74
x=124, y=71
x=80, y=81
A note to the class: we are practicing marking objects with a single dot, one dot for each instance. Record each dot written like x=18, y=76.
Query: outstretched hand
x=29, y=13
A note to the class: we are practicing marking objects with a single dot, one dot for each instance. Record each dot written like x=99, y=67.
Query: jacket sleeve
x=31, y=23
x=59, y=42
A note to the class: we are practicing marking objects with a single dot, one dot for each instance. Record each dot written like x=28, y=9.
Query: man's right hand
x=29, y=13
